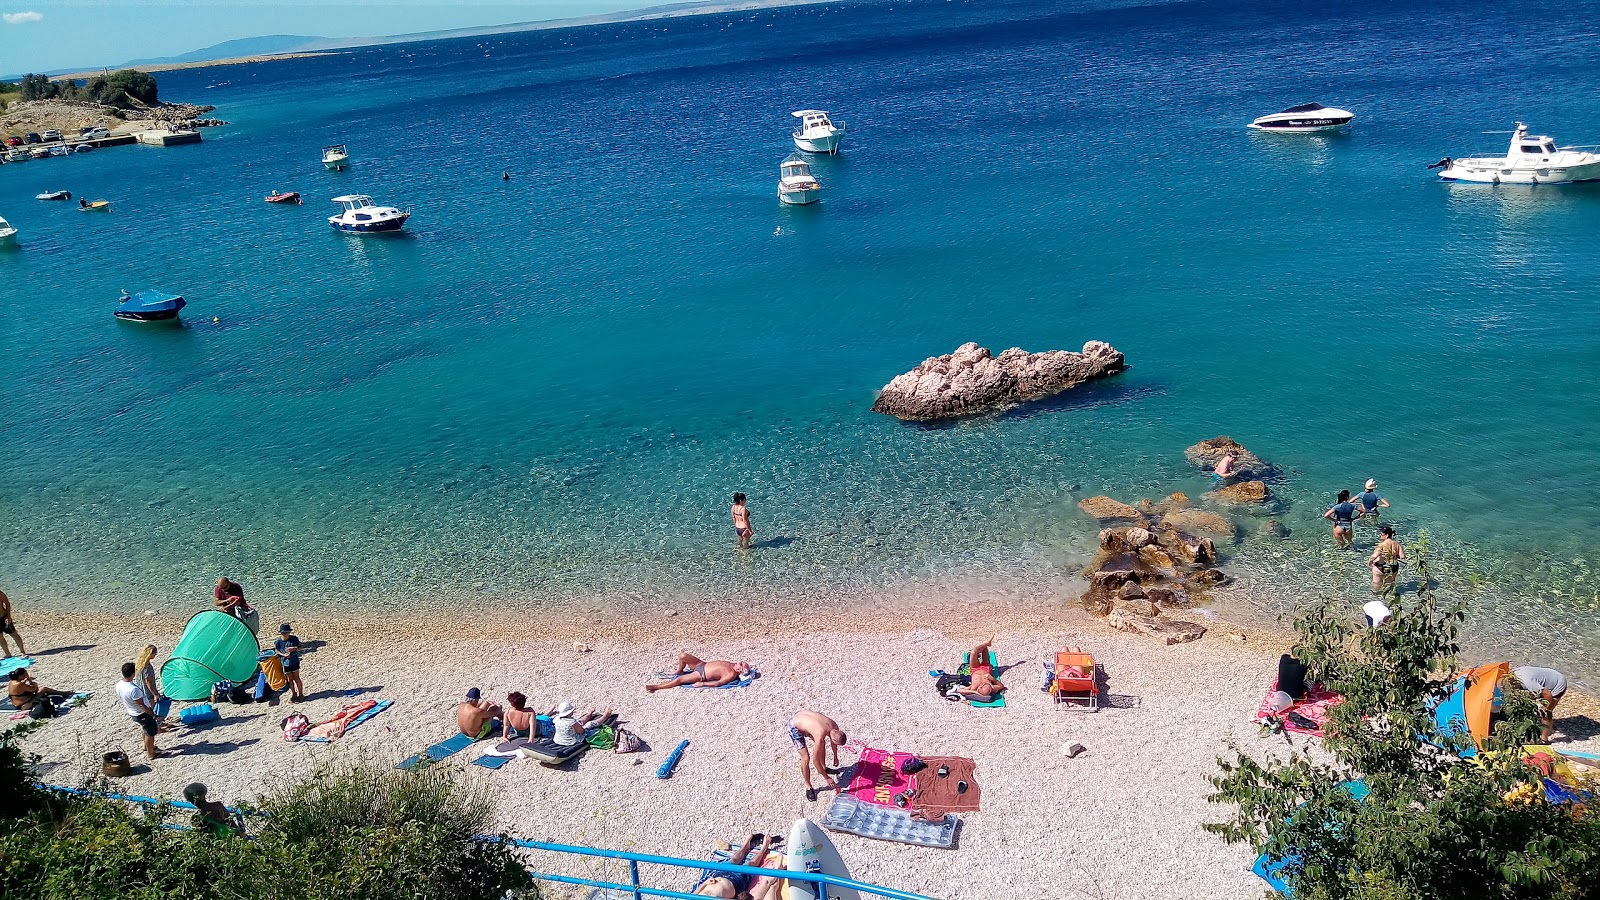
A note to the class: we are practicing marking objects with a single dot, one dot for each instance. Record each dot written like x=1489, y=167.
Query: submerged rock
x=1171, y=631
x=1125, y=540
x=1106, y=508
x=1275, y=529
x=971, y=380
x=1193, y=520
x=1242, y=492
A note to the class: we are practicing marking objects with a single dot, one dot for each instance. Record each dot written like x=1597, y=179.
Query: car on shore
x=93, y=131
x=13, y=141
x=31, y=137
x=51, y=135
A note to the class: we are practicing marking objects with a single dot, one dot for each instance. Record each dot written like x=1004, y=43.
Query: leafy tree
x=37, y=87
x=1432, y=827
x=119, y=88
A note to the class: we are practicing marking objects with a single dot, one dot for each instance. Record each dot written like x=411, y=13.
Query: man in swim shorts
x=1343, y=515
x=475, y=716
x=8, y=627
x=741, y=522
x=1224, y=469
x=823, y=733
x=705, y=673
x=1549, y=686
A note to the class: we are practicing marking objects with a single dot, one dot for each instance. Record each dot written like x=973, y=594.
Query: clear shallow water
x=549, y=387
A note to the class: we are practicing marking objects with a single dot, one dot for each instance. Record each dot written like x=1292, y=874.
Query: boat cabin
x=812, y=120
x=795, y=167
x=1525, y=144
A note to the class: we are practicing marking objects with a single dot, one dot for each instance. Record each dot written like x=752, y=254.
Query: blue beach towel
x=12, y=663
x=490, y=761
x=748, y=679
x=447, y=747
x=382, y=705
x=671, y=762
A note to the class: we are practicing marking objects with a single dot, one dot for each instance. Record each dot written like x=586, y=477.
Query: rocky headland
x=971, y=380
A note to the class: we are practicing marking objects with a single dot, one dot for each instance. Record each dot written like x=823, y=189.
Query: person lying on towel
x=476, y=717
x=705, y=673
x=740, y=885
x=984, y=687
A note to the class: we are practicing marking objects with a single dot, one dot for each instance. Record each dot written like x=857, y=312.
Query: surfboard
x=811, y=850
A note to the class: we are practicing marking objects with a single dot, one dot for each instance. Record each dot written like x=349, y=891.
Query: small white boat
x=796, y=185
x=8, y=234
x=336, y=158
x=39, y=153
x=362, y=216
x=816, y=133
x=18, y=155
x=1307, y=118
x=59, y=150
x=53, y=195
x=1531, y=159
x=83, y=148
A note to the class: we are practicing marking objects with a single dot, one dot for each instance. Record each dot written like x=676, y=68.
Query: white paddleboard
x=811, y=850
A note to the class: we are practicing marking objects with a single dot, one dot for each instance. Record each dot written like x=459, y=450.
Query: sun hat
x=285, y=628
x=566, y=709
x=1376, y=612
x=474, y=693
x=1372, y=483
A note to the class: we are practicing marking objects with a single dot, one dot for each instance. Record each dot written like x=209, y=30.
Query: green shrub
x=1433, y=827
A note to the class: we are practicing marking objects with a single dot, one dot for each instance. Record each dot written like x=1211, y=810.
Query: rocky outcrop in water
x=1246, y=465
x=1104, y=508
x=970, y=380
x=1242, y=492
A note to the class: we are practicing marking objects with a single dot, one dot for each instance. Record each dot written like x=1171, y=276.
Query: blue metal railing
x=634, y=887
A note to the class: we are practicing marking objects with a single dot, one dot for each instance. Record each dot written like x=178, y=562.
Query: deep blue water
x=549, y=387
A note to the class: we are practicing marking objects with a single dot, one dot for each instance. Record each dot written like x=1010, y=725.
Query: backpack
x=296, y=726
x=627, y=742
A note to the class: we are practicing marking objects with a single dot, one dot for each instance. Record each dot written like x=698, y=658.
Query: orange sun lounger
x=1076, y=680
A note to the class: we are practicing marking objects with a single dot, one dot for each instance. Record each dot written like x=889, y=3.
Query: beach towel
x=885, y=823
x=12, y=663
x=448, y=747
x=494, y=760
x=748, y=679
x=1315, y=708
x=878, y=777
x=933, y=797
x=366, y=710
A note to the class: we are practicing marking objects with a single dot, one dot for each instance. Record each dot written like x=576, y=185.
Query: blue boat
x=149, y=306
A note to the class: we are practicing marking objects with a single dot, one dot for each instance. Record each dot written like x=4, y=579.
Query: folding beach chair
x=1076, y=679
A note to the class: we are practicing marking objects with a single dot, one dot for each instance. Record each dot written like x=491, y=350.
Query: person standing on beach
x=824, y=733
x=1343, y=515
x=139, y=708
x=146, y=679
x=741, y=521
x=287, y=646
x=1385, y=560
x=1369, y=499
x=8, y=627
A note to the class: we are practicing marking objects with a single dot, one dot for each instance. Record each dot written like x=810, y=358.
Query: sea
x=546, y=390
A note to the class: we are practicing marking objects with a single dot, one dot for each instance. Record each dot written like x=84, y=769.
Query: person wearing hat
x=212, y=815
x=476, y=717
x=1385, y=560
x=1369, y=499
x=288, y=649
x=570, y=727
x=1376, y=613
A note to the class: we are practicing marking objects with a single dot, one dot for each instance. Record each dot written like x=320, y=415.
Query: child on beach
x=741, y=521
x=287, y=647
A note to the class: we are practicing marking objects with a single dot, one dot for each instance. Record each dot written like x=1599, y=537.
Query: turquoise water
x=547, y=389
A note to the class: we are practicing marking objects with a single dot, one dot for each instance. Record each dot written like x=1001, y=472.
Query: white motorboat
x=59, y=150
x=1531, y=159
x=18, y=155
x=362, y=216
x=816, y=133
x=336, y=158
x=796, y=185
x=8, y=234
x=1307, y=118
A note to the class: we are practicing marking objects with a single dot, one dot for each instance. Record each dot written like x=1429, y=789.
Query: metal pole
x=633, y=868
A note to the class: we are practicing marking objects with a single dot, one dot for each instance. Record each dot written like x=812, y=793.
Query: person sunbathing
x=476, y=716
x=737, y=885
x=984, y=687
x=705, y=673
x=334, y=728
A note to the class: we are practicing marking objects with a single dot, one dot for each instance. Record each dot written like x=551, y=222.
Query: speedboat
x=18, y=155
x=795, y=182
x=39, y=153
x=362, y=216
x=83, y=148
x=94, y=206
x=1531, y=159
x=59, y=150
x=149, y=306
x=336, y=158
x=284, y=197
x=1305, y=119
x=8, y=234
x=815, y=133
x=54, y=195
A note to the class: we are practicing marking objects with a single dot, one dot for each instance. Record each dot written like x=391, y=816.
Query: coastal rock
x=1137, y=607
x=1157, y=558
x=1171, y=631
x=1130, y=591
x=1207, y=454
x=1198, y=520
x=1208, y=577
x=971, y=380
x=1168, y=598
x=1275, y=530
x=1125, y=540
x=1097, y=603
x=1242, y=492
x=1103, y=507
x=1174, y=502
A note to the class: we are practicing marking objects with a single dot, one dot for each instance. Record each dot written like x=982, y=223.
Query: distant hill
x=253, y=46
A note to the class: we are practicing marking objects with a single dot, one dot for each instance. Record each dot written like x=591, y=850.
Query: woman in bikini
x=741, y=522
x=1385, y=560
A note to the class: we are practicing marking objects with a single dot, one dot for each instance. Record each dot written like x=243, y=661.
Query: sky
x=57, y=35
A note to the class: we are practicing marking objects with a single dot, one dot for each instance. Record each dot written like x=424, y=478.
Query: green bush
x=1433, y=827
x=350, y=830
x=117, y=88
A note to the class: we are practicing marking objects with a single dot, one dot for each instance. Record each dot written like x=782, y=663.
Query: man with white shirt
x=139, y=708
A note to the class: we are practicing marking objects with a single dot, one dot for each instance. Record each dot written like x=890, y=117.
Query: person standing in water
x=1369, y=499
x=1343, y=515
x=741, y=521
x=1385, y=560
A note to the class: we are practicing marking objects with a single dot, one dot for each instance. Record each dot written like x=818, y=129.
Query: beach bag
x=946, y=680
x=219, y=691
x=605, y=738
x=627, y=742
x=295, y=727
x=115, y=764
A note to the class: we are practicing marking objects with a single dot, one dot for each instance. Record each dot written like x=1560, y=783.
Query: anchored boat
x=8, y=234
x=1531, y=159
x=336, y=157
x=94, y=205
x=796, y=185
x=816, y=133
x=1306, y=118
x=54, y=195
x=284, y=197
x=362, y=216
x=149, y=306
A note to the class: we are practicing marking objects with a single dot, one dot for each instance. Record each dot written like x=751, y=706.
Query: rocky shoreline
x=69, y=116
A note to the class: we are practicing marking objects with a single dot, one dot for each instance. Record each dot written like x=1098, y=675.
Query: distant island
x=289, y=46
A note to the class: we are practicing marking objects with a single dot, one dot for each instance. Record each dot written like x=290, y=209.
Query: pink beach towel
x=1316, y=706
x=878, y=777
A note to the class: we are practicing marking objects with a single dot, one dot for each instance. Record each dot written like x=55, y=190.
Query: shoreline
x=1128, y=811
x=201, y=64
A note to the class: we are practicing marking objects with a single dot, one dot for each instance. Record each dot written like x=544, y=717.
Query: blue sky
x=51, y=35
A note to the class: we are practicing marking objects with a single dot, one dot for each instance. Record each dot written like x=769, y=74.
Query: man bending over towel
x=985, y=687
x=808, y=724
x=476, y=716
x=705, y=673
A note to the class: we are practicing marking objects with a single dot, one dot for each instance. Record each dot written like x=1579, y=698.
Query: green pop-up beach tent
x=215, y=647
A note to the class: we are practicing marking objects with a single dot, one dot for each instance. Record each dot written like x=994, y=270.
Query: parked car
x=93, y=131
x=31, y=137
x=51, y=135
x=13, y=141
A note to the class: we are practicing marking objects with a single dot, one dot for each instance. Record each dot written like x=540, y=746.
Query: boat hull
x=1300, y=129
x=799, y=197
x=160, y=315
x=1468, y=171
x=820, y=144
x=387, y=226
x=336, y=165
x=8, y=238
